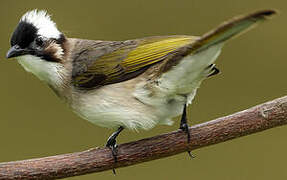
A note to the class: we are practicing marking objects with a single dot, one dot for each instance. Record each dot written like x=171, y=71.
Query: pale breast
x=118, y=105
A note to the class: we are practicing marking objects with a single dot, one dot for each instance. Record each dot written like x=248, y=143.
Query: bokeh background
x=34, y=123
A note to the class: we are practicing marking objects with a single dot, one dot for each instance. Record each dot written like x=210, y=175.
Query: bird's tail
x=230, y=29
x=185, y=68
x=222, y=33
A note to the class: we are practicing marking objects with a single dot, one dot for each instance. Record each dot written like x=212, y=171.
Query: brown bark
x=258, y=118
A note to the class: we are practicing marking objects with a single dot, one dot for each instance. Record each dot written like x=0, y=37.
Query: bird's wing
x=124, y=60
x=115, y=62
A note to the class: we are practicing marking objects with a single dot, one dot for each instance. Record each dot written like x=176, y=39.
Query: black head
x=37, y=35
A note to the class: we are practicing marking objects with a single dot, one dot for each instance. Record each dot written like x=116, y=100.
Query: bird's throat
x=50, y=72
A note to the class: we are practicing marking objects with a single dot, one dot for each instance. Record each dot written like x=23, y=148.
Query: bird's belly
x=115, y=105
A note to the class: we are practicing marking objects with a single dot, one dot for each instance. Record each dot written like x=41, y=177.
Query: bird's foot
x=112, y=144
x=184, y=128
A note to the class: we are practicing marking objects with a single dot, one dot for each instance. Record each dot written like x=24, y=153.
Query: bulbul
x=132, y=84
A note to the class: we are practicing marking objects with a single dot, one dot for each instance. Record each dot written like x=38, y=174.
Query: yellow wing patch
x=130, y=60
x=151, y=52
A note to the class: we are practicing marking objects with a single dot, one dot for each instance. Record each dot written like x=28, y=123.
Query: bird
x=130, y=84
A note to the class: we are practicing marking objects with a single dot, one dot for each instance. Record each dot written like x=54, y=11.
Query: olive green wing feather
x=125, y=60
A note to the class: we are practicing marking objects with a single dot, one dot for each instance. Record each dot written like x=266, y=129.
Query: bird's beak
x=15, y=51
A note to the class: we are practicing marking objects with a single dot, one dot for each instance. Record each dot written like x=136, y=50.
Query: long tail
x=222, y=33
x=230, y=29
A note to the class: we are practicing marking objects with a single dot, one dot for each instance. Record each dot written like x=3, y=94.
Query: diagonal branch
x=258, y=118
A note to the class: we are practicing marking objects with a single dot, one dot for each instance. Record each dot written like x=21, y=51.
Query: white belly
x=115, y=105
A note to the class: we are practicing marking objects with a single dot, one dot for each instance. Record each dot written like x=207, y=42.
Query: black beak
x=15, y=51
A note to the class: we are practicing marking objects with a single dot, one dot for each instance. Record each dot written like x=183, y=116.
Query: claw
x=190, y=154
x=184, y=128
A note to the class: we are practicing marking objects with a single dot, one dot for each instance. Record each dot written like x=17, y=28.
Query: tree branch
x=258, y=118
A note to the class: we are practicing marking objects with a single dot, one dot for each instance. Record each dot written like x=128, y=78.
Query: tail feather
x=213, y=70
x=222, y=33
x=230, y=29
x=184, y=68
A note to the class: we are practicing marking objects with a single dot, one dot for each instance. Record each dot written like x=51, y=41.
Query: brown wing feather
x=124, y=60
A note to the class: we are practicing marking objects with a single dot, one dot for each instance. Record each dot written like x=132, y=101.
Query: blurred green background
x=34, y=123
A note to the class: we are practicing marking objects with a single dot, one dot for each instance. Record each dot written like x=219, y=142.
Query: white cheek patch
x=42, y=21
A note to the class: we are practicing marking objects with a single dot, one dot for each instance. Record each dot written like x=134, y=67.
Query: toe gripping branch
x=184, y=127
x=112, y=144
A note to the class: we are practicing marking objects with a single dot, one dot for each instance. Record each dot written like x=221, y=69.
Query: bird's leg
x=112, y=144
x=184, y=126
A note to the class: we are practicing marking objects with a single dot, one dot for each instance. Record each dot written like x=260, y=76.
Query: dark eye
x=39, y=41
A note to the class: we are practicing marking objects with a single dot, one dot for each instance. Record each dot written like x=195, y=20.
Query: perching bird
x=132, y=84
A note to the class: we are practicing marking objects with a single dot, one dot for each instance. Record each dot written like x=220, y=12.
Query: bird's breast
x=117, y=105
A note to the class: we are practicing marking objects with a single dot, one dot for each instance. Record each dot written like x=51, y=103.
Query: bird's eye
x=39, y=41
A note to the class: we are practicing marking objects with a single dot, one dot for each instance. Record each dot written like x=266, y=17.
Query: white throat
x=50, y=72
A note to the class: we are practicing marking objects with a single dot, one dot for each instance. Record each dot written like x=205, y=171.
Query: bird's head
x=39, y=47
x=37, y=35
